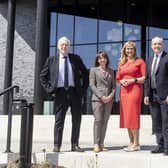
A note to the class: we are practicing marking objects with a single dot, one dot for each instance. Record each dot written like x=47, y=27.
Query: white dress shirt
x=158, y=60
x=61, y=72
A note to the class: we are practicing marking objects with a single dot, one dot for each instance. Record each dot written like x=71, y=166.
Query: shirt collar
x=159, y=55
x=62, y=56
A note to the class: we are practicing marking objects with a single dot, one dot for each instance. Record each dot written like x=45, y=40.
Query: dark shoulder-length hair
x=99, y=55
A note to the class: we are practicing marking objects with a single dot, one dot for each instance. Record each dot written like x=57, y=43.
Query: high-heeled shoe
x=97, y=148
x=132, y=148
x=103, y=148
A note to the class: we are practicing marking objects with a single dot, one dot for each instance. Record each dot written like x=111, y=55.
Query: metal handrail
x=26, y=133
x=26, y=127
x=9, y=89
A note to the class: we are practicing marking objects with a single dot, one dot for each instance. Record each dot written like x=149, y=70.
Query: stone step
x=115, y=140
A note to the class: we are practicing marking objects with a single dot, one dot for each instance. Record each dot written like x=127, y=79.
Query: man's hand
x=146, y=100
x=166, y=100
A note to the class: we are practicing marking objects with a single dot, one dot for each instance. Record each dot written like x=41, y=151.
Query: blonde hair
x=123, y=58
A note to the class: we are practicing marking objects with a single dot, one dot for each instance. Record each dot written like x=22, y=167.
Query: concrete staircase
x=116, y=139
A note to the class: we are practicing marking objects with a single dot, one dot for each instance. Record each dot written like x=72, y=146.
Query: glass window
x=147, y=33
x=132, y=32
x=87, y=53
x=113, y=51
x=65, y=26
x=110, y=31
x=138, y=48
x=165, y=48
x=165, y=45
x=85, y=30
x=147, y=49
x=52, y=51
x=153, y=31
x=53, y=28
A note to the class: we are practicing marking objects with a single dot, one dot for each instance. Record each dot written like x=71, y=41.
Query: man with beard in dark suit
x=65, y=77
x=156, y=94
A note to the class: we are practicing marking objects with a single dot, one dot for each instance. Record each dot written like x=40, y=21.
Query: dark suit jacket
x=161, y=77
x=49, y=74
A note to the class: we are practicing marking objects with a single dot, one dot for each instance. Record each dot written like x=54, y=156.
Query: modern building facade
x=91, y=25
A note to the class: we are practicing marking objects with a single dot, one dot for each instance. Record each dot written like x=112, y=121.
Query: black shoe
x=76, y=148
x=56, y=149
x=165, y=152
x=157, y=150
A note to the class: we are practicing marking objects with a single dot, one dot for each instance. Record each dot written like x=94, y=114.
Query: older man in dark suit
x=156, y=94
x=65, y=77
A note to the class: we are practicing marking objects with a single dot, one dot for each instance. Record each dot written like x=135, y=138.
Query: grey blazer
x=100, y=84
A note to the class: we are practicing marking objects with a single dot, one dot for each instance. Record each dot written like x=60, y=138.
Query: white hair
x=64, y=38
x=157, y=38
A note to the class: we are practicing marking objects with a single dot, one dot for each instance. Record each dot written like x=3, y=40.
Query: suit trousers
x=159, y=113
x=63, y=100
x=101, y=113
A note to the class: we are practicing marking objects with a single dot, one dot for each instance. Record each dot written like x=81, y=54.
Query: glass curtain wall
x=89, y=35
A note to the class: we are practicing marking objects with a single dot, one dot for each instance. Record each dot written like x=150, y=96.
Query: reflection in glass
x=138, y=48
x=110, y=31
x=153, y=31
x=166, y=45
x=85, y=30
x=151, y=52
x=147, y=50
x=113, y=51
x=87, y=53
x=52, y=51
x=132, y=32
x=53, y=28
x=65, y=26
x=86, y=40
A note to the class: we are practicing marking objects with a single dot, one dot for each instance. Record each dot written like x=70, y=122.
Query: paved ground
x=43, y=133
x=116, y=139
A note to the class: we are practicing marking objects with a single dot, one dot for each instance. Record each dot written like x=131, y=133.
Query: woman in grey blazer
x=102, y=84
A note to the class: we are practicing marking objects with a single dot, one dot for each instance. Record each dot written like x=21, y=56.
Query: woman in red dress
x=131, y=76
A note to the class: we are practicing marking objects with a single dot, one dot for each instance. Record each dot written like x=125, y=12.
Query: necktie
x=66, y=73
x=153, y=80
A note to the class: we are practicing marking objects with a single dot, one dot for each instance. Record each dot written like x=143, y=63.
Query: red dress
x=131, y=96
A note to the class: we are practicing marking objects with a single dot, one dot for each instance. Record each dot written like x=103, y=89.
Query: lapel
x=108, y=73
x=103, y=77
x=150, y=64
x=72, y=61
x=56, y=65
x=160, y=62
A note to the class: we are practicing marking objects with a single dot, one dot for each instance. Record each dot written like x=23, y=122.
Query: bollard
x=23, y=134
x=29, y=134
x=26, y=135
x=8, y=145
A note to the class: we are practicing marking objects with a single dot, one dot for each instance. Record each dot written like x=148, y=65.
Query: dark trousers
x=159, y=113
x=63, y=100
